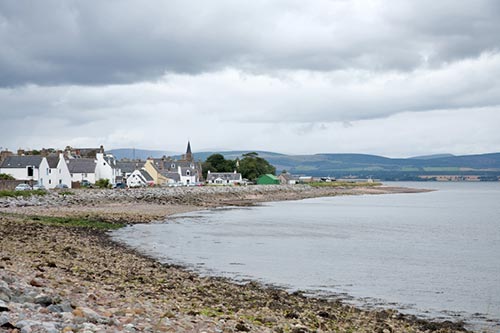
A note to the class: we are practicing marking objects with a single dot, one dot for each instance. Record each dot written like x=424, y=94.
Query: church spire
x=189, y=155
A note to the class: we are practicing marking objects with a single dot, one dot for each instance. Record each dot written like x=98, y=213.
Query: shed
x=268, y=179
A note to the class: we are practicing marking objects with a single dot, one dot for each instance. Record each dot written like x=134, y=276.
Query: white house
x=82, y=169
x=53, y=171
x=224, y=178
x=139, y=178
x=22, y=167
x=106, y=168
x=188, y=175
x=288, y=179
x=47, y=171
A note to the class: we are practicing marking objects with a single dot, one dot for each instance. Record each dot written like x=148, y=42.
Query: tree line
x=251, y=166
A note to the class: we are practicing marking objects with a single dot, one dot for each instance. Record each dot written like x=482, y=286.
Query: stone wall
x=9, y=184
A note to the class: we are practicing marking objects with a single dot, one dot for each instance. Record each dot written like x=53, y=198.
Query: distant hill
x=430, y=157
x=487, y=166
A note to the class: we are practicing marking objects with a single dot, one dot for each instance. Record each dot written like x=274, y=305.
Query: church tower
x=189, y=155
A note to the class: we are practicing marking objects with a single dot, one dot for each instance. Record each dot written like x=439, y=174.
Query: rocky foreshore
x=55, y=278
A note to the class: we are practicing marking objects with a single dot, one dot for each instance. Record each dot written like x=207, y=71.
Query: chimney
x=20, y=152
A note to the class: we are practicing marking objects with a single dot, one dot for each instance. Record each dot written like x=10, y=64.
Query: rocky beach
x=60, y=271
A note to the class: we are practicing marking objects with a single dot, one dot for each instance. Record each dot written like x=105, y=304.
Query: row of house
x=60, y=168
x=79, y=165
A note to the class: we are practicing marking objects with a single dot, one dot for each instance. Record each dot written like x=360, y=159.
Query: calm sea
x=433, y=254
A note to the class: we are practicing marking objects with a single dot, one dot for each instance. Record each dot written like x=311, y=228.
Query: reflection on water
x=433, y=253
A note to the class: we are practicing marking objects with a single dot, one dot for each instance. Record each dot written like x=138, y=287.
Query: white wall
x=136, y=179
x=43, y=178
x=78, y=177
x=105, y=171
x=21, y=173
x=63, y=175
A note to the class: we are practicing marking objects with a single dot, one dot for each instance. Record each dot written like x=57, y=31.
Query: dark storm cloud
x=101, y=42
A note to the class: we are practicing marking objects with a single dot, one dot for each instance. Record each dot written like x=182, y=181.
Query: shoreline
x=108, y=286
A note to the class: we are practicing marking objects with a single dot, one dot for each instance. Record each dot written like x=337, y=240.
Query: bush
x=103, y=183
x=5, y=176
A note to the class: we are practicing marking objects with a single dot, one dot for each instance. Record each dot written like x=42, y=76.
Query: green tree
x=103, y=183
x=252, y=166
x=5, y=176
x=217, y=163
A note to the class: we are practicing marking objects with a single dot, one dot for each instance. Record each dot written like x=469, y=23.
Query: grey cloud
x=81, y=42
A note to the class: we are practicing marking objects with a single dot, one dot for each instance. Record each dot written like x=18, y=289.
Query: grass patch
x=76, y=222
x=14, y=194
x=66, y=193
x=344, y=184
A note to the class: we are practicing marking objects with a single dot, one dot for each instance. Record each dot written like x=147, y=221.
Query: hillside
x=486, y=166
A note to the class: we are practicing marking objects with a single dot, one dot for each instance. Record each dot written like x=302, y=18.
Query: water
x=433, y=254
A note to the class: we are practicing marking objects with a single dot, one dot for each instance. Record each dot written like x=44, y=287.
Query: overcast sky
x=394, y=78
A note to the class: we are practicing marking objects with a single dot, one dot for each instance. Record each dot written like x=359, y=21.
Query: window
x=187, y=173
x=47, y=171
x=60, y=181
x=59, y=171
x=50, y=181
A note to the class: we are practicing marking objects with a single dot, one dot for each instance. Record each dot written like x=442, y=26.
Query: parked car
x=23, y=187
x=61, y=186
x=85, y=183
x=120, y=185
x=39, y=187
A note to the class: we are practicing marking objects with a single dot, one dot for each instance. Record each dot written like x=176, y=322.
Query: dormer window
x=187, y=173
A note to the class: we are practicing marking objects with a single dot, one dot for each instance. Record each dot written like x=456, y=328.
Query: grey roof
x=192, y=172
x=172, y=175
x=146, y=175
x=21, y=162
x=53, y=161
x=224, y=176
x=82, y=165
x=111, y=160
x=170, y=164
x=129, y=166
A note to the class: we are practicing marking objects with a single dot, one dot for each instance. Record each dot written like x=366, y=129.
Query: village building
x=139, y=178
x=82, y=169
x=162, y=169
x=22, y=167
x=128, y=167
x=54, y=171
x=287, y=179
x=268, y=179
x=107, y=168
x=224, y=178
x=47, y=171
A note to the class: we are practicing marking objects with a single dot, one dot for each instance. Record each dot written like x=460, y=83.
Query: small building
x=82, y=169
x=22, y=167
x=47, y=171
x=139, y=178
x=224, y=178
x=287, y=179
x=268, y=179
x=107, y=168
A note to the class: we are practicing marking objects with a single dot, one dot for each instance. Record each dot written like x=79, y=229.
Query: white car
x=39, y=187
x=23, y=187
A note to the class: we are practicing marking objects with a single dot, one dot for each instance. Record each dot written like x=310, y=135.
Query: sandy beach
x=56, y=276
